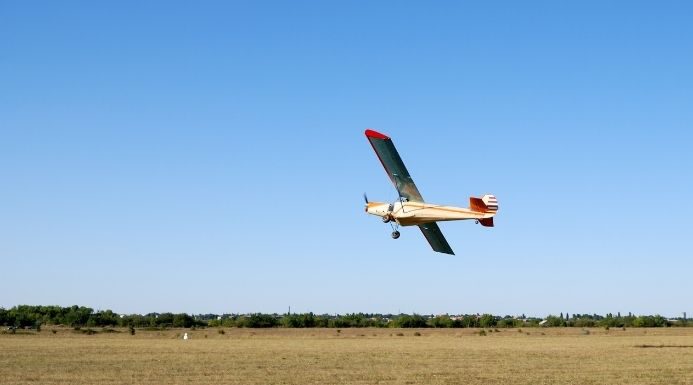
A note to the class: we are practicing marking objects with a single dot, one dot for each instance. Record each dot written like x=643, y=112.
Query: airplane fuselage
x=416, y=213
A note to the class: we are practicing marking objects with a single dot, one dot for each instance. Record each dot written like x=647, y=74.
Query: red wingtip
x=375, y=134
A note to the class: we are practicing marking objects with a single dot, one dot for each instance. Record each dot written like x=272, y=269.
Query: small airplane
x=410, y=208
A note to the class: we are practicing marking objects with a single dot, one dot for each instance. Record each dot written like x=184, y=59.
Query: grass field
x=350, y=356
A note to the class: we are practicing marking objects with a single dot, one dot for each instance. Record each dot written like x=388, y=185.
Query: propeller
x=365, y=198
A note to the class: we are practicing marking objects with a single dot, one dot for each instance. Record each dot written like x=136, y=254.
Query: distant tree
x=583, y=322
x=554, y=321
x=259, y=320
x=295, y=320
x=442, y=321
x=469, y=321
x=164, y=319
x=509, y=322
x=411, y=321
x=487, y=321
x=183, y=320
x=650, y=321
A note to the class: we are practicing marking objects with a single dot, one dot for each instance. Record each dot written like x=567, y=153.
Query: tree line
x=25, y=316
x=79, y=316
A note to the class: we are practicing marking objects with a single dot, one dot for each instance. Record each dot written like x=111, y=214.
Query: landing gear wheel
x=395, y=234
x=476, y=221
x=386, y=219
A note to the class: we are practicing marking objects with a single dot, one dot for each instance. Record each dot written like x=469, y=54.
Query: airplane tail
x=486, y=204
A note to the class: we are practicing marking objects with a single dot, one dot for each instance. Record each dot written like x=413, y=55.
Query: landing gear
x=394, y=224
x=476, y=221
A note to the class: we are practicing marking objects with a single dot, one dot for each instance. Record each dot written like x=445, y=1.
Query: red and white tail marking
x=486, y=204
x=491, y=202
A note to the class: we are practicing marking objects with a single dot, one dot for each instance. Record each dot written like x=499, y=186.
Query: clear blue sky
x=164, y=156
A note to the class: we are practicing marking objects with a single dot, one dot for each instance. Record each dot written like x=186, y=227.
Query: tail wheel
x=395, y=234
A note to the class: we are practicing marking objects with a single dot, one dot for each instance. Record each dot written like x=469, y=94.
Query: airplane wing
x=387, y=153
x=435, y=238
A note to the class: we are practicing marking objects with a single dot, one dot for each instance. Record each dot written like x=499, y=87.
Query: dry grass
x=353, y=356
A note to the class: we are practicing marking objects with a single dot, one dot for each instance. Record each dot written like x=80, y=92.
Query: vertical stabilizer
x=486, y=204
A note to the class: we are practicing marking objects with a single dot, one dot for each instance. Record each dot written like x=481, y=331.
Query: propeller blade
x=365, y=198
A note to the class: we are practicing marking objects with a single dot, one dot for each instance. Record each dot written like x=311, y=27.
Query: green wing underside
x=435, y=238
x=395, y=169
